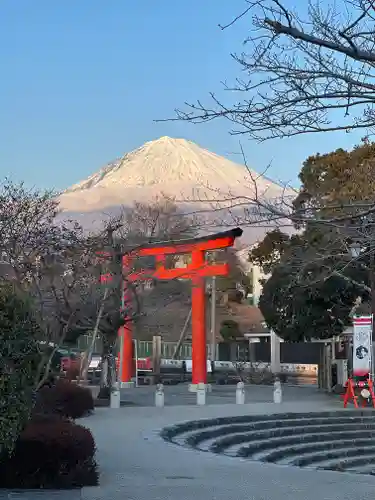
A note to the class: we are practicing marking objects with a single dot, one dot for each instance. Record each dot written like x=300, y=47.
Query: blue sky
x=82, y=81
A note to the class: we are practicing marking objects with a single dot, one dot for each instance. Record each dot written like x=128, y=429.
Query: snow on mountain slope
x=174, y=167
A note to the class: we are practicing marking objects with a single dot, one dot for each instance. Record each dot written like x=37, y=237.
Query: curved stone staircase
x=338, y=440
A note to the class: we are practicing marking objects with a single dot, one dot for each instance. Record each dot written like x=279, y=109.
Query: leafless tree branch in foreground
x=262, y=206
x=54, y=264
x=304, y=70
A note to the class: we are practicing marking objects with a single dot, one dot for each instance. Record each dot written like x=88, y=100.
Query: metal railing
x=144, y=347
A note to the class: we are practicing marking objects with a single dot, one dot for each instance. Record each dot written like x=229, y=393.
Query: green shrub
x=51, y=452
x=229, y=330
x=18, y=362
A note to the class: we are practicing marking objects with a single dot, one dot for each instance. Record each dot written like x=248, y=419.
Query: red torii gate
x=197, y=271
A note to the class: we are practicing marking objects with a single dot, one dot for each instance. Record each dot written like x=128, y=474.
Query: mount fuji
x=175, y=168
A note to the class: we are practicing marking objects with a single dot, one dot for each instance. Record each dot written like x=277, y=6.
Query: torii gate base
x=197, y=271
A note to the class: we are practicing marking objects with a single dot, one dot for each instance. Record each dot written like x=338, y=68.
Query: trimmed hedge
x=65, y=398
x=51, y=452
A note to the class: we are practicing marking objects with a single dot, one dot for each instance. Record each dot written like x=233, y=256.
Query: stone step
x=266, y=446
x=296, y=454
x=365, y=469
x=321, y=458
x=172, y=432
x=318, y=433
x=196, y=438
x=193, y=437
x=331, y=440
x=353, y=464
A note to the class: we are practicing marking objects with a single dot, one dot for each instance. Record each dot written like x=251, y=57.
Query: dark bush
x=51, y=452
x=19, y=359
x=65, y=398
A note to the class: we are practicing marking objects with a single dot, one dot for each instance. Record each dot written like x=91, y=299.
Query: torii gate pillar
x=198, y=322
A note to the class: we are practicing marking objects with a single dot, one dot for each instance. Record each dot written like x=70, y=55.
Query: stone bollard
x=240, y=393
x=277, y=391
x=159, y=395
x=201, y=394
x=115, y=397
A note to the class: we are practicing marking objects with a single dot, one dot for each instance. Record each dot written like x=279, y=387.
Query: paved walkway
x=137, y=464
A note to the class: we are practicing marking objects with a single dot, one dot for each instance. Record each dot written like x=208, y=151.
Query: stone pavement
x=137, y=464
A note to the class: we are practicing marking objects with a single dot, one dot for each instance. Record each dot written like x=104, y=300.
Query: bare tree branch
x=305, y=72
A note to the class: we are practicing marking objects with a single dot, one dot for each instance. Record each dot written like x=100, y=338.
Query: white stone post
x=115, y=397
x=277, y=392
x=159, y=396
x=240, y=393
x=201, y=394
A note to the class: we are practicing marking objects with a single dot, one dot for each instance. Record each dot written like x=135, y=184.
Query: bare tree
x=110, y=307
x=54, y=263
x=121, y=235
x=59, y=268
x=64, y=295
x=31, y=245
x=307, y=70
x=158, y=220
x=29, y=232
x=161, y=220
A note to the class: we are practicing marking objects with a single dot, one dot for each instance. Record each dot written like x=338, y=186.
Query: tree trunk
x=108, y=372
x=88, y=354
x=104, y=373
